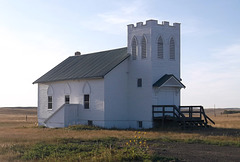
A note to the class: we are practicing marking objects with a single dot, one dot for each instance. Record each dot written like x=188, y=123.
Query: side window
x=86, y=101
x=172, y=49
x=50, y=102
x=67, y=99
x=139, y=82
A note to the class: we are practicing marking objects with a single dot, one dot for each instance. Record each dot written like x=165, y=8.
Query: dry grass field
x=224, y=120
x=20, y=137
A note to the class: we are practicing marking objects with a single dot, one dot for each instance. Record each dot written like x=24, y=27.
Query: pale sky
x=36, y=35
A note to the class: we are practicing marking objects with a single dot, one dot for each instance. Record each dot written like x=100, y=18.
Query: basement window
x=139, y=124
x=67, y=99
x=86, y=101
x=90, y=122
x=50, y=103
x=139, y=82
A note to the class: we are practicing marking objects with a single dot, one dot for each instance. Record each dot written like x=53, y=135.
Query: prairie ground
x=20, y=138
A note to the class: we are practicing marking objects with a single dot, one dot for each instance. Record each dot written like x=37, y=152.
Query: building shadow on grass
x=210, y=131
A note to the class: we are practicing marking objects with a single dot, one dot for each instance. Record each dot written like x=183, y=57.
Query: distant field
x=224, y=120
x=21, y=140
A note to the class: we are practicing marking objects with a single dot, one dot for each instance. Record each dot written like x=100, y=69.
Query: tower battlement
x=153, y=23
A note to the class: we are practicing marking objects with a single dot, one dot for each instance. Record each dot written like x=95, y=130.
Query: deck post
x=163, y=116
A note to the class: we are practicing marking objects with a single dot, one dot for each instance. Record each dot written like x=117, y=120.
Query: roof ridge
x=104, y=51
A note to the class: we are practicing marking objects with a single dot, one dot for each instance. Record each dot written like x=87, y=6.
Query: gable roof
x=165, y=79
x=94, y=65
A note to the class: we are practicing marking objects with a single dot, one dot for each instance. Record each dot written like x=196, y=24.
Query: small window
x=139, y=82
x=86, y=101
x=139, y=124
x=90, y=122
x=67, y=99
x=50, y=102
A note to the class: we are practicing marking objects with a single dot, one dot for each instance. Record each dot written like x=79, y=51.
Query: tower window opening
x=160, y=48
x=134, y=49
x=144, y=47
x=172, y=49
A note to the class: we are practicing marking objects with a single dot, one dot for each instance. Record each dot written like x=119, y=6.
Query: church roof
x=168, y=80
x=94, y=65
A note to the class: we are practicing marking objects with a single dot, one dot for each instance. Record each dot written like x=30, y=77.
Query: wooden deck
x=184, y=116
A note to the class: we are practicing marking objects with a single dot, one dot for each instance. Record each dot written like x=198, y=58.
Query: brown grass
x=224, y=120
x=14, y=129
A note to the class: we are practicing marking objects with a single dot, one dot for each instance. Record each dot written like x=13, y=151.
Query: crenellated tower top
x=150, y=23
x=155, y=46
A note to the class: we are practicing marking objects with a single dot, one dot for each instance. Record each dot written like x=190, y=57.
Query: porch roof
x=168, y=80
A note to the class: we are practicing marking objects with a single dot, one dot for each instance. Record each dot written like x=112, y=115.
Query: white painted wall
x=57, y=120
x=115, y=96
x=94, y=87
x=166, y=96
x=42, y=111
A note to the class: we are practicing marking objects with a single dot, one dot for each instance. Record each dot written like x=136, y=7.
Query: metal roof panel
x=94, y=65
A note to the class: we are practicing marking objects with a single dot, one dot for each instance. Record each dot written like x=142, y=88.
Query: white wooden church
x=115, y=88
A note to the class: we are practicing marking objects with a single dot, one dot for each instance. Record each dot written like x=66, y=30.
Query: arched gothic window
x=144, y=47
x=160, y=48
x=172, y=49
x=134, y=48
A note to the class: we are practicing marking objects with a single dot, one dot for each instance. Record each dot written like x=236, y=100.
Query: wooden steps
x=184, y=116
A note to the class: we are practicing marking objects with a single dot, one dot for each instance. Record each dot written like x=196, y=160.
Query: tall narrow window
x=172, y=49
x=134, y=49
x=50, y=102
x=86, y=101
x=160, y=48
x=139, y=82
x=67, y=99
x=144, y=47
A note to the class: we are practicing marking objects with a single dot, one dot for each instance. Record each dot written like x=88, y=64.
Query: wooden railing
x=166, y=110
x=195, y=113
x=182, y=114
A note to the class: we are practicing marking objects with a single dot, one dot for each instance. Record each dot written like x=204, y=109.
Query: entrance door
x=166, y=97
